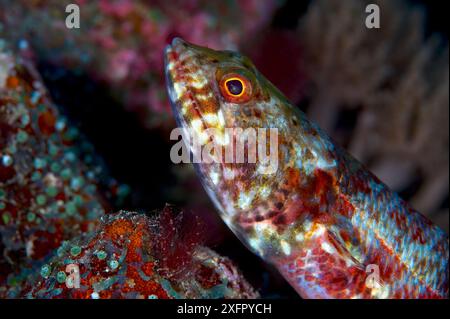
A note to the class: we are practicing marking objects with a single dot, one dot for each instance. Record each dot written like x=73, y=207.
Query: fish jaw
x=192, y=101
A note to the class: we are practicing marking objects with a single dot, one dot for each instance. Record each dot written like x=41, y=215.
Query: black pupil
x=235, y=87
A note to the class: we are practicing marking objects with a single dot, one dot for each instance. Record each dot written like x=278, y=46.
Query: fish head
x=206, y=85
x=220, y=96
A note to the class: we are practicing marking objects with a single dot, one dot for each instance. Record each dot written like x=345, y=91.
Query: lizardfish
x=330, y=227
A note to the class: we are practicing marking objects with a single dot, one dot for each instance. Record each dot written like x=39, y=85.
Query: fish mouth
x=190, y=94
x=180, y=61
x=175, y=74
x=171, y=59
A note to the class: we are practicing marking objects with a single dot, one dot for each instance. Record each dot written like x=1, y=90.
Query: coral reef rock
x=52, y=186
x=134, y=255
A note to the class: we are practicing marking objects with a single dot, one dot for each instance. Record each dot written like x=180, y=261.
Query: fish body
x=330, y=227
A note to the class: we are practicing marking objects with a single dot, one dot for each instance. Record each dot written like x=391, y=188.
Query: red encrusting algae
x=125, y=258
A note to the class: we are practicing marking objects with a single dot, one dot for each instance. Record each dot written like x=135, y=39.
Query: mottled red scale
x=319, y=192
x=344, y=207
x=418, y=235
x=387, y=272
x=398, y=217
x=359, y=183
x=345, y=235
x=339, y=280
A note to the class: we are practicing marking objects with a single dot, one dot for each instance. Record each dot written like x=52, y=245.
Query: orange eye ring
x=235, y=88
x=233, y=85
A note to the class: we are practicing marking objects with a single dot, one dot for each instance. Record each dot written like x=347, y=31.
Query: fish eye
x=235, y=88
